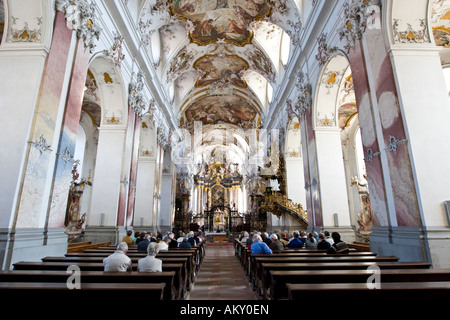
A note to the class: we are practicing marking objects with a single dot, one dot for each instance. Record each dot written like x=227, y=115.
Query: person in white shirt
x=118, y=261
x=164, y=244
x=150, y=263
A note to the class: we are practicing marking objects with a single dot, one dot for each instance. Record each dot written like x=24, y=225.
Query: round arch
x=329, y=86
x=112, y=96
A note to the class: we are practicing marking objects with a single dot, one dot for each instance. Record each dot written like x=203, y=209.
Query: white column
x=295, y=180
x=145, y=183
x=166, y=197
x=428, y=140
x=333, y=188
x=108, y=177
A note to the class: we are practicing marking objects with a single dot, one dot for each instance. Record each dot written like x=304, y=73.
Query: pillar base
x=407, y=243
x=438, y=239
x=31, y=244
x=347, y=232
x=97, y=234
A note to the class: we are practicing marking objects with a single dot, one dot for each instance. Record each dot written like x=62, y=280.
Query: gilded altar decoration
x=278, y=204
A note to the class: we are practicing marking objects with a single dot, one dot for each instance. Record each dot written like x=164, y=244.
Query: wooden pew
x=82, y=247
x=257, y=273
x=75, y=244
x=88, y=266
x=246, y=255
x=360, y=246
x=390, y=291
x=191, y=266
x=266, y=281
x=279, y=279
x=100, y=292
x=124, y=278
x=198, y=251
x=181, y=281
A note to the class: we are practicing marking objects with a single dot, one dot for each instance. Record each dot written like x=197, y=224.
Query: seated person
x=185, y=243
x=276, y=245
x=128, y=239
x=338, y=246
x=164, y=244
x=172, y=243
x=118, y=261
x=142, y=245
x=259, y=246
x=297, y=242
x=323, y=244
x=150, y=263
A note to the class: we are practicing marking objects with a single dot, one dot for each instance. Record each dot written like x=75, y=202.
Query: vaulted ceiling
x=220, y=60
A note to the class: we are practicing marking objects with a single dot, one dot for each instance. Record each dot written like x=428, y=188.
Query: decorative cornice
x=80, y=16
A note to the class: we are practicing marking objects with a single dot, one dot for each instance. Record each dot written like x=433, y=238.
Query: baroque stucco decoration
x=324, y=52
x=116, y=52
x=25, y=34
x=304, y=99
x=135, y=95
x=358, y=16
x=411, y=35
x=80, y=16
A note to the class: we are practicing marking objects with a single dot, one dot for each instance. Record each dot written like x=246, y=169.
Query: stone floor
x=221, y=277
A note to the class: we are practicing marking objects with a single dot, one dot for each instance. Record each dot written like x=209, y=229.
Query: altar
x=216, y=237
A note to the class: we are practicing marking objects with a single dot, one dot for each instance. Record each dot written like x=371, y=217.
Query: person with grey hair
x=259, y=246
x=297, y=242
x=185, y=243
x=276, y=245
x=164, y=244
x=118, y=261
x=244, y=237
x=150, y=263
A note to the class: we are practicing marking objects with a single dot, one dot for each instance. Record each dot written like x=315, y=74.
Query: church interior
x=224, y=117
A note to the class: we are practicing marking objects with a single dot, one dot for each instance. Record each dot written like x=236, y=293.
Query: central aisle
x=221, y=277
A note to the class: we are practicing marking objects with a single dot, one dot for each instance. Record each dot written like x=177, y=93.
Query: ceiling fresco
x=440, y=23
x=221, y=60
x=227, y=109
x=227, y=69
x=221, y=19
